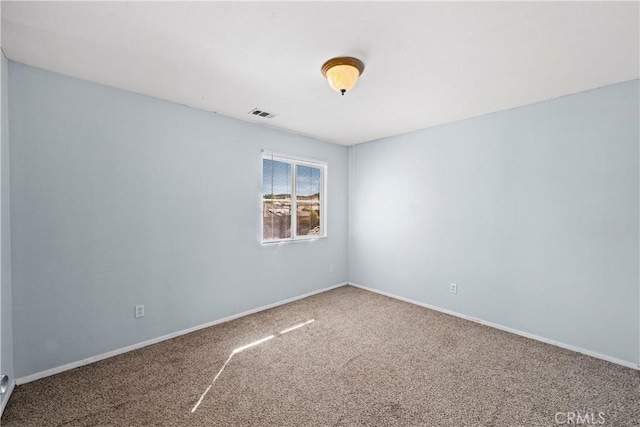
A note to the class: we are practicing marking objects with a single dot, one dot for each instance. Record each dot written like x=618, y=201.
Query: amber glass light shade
x=342, y=73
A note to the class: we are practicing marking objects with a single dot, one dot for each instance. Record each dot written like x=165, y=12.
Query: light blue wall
x=6, y=346
x=120, y=199
x=532, y=212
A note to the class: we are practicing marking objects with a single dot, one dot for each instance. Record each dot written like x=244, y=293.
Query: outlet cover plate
x=139, y=311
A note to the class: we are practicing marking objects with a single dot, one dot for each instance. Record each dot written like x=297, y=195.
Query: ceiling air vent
x=262, y=113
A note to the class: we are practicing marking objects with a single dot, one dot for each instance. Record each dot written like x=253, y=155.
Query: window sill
x=298, y=239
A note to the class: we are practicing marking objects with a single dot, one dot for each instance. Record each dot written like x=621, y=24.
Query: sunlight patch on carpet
x=243, y=348
x=299, y=325
x=253, y=344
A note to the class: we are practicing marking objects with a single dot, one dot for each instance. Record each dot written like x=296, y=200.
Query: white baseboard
x=6, y=396
x=83, y=362
x=505, y=328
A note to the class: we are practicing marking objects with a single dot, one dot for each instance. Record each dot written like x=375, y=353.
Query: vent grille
x=261, y=113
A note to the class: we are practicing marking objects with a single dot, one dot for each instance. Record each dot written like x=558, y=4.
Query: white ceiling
x=427, y=63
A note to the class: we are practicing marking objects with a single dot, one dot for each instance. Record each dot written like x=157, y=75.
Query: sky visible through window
x=280, y=172
x=307, y=178
x=307, y=181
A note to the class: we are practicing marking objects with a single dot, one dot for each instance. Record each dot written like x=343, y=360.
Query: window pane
x=308, y=201
x=276, y=200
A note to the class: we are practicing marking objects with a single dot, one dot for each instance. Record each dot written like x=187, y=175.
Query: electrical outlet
x=453, y=288
x=139, y=311
x=331, y=268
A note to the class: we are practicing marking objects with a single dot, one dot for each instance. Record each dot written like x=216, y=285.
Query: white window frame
x=295, y=161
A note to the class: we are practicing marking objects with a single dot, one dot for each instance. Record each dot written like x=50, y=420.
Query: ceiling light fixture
x=342, y=73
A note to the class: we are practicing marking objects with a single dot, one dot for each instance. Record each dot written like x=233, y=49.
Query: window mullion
x=294, y=202
x=321, y=207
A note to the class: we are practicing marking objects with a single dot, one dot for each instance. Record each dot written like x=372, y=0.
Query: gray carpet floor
x=365, y=360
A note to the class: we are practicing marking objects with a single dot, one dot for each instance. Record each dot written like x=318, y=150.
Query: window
x=293, y=198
